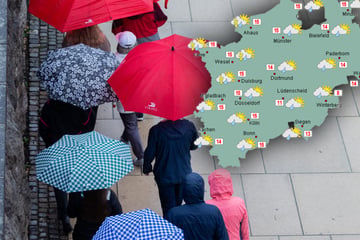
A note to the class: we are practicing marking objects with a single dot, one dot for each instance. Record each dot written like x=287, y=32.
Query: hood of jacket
x=221, y=186
x=193, y=188
x=174, y=129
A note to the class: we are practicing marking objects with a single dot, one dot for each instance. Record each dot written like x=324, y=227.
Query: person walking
x=170, y=143
x=232, y=208
x=197, y=219
x=90, y=209
x=126, y=42
x=57, y=119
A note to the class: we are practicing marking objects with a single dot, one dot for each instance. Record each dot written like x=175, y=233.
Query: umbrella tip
x=172, y=48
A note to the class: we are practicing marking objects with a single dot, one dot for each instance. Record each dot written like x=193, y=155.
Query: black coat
x=59, y=118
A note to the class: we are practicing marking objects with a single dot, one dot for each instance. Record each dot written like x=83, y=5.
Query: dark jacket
x=170, y=143
x=59, y=118
x=84, y=230
x=197, y=219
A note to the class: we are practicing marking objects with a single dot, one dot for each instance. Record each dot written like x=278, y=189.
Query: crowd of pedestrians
x=168, y=146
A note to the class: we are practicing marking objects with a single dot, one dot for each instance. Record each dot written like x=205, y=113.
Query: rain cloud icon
x=244, y=145
x=200, y=141
x=340, y=30
x=290, y=30
x=310, y=6
x=284, y=67
x=320, y=92
x=323, y=65
x=203, y=106
x=289, y=134
x=292, y=103
x=233, y=119
x=250, y=93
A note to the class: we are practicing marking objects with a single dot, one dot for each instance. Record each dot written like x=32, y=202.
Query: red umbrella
x=66, y=15
x=161, y=78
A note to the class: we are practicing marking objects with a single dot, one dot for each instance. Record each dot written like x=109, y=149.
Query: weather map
x=280, y=79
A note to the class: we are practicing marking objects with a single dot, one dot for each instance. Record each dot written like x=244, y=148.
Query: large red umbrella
x=161, y=78
x=66, y=15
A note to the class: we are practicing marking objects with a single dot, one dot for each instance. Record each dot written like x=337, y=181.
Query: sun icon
x=319, y=3
x=242, y=116
x=202, y=42
x=292, y=63
x=332, y=62
x=230, y=75
x=250, y=51
x=259, y=90
x=346, y=28
x=297, y=27
x=208, y=139
x=210, y=103
x=300, y=100
x=297, y=131
x=251, y=142
x=327, y=89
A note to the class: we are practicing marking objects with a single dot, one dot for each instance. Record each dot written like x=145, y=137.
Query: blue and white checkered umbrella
x=84, y=162
x=140, y=225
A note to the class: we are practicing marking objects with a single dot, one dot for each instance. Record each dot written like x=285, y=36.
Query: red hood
x=221, y=186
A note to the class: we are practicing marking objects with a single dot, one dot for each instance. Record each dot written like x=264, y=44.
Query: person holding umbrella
x=126, y=42
x=170, y=142
x=90, y=209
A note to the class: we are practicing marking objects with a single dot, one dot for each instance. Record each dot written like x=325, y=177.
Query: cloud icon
x=311, y=6
x=289, y=134
x=338, y=31
x=250, y=93
x=325, y=65
x=223, y=79
x=293, y=104
x=320, y=92
x=290, y=30
x=243, y=55
x=234, y=119
x=285, y=67
x=355, y=4
x=203, y=107
x=244, y=145
x=201, y=142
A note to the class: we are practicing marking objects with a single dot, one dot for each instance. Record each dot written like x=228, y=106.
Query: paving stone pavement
x=294, y=190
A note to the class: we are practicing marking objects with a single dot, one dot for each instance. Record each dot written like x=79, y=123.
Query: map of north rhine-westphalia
x=280, y=79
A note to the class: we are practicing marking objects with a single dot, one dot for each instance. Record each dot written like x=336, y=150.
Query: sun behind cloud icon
x=292, y=133
x=287, y=66
x=237, y=118
x=206, y=140
x=245, y=54
x=314, y=5
x=248, y=143
x=206, y=105
x=197, y=43
x=328, y=63
x=323, y=91
x=254, y=92
x=293, y=29
x=355, y=4
x=296, y=102
x=341, y=29
x=241, y=20
x=225, y=78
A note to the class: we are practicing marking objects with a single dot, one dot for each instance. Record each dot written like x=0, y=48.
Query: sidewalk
x=294, y=190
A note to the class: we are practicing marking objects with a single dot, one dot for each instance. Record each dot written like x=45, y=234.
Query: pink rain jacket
x=232, y=209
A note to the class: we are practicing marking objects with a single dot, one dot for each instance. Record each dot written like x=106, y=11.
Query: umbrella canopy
x=161, y=78
x=66, y=15
x=141, y=225
x=84, y=162
x=78, y=75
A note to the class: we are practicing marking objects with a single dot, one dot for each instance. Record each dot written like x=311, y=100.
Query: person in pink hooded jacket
x=232, y=208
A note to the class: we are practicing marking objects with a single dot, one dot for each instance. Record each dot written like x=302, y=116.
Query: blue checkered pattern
x=84, y=162
x=140, y=225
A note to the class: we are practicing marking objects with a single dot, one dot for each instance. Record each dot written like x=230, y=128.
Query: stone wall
x=16, y=204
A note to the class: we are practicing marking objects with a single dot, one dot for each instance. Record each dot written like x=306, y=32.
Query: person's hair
x=91, y=36
x=95, y=207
